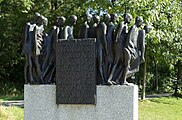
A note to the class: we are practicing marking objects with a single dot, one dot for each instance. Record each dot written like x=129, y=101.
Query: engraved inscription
x=75, y=72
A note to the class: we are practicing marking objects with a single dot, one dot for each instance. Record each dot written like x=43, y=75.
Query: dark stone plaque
x=76, y=71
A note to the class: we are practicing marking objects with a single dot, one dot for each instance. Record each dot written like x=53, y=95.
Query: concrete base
x=113, y=103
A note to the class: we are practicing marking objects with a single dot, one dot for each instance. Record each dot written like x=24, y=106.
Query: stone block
x=117, y=102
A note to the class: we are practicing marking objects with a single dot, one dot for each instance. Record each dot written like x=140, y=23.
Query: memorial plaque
x=76, y=71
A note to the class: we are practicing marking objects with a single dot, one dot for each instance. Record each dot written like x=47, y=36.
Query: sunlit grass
x=11, y=113
x=3, y=114
x=166, y=108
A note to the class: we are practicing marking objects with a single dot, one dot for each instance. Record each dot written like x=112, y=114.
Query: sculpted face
x=96, y=19
x=113, y=17
x=127, y=18
x=89, y=17
x=36, y=16
x=138, y=21
x=60, y=21
x=40, y=20
x=107, y=18
x=147, y=28
x=73, y=20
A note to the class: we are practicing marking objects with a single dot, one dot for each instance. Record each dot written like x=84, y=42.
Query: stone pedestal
x=113, y=103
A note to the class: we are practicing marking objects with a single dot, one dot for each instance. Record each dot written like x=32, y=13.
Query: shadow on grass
x=166, y=100
x=8, y=98
x=178, y=95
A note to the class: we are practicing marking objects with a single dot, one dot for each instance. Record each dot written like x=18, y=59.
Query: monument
x=86, y=78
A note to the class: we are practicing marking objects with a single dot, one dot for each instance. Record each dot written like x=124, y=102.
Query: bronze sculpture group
x=119, y=50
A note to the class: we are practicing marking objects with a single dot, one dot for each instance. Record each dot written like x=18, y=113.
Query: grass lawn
x=11, y=113
x=6, y=98
x=166, y=108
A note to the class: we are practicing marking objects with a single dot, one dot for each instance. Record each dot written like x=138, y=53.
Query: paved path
x=159, y=95
x=156, y=95
x=20, y=103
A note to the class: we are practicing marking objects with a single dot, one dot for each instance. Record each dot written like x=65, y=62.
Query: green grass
x=11, y=113
x=166, y=108
x=3, y=114
x=6, y=98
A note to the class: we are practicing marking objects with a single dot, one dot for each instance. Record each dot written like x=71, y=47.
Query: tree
x=163, y=43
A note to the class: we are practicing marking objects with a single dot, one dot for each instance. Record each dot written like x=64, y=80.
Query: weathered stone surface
x=75, y=71
x=40, y=102
x=113, y=103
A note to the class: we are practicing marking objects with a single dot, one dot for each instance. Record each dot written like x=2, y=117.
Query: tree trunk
x=54, y=4
x=179, y=76
x=144, y=79
x=156, y=83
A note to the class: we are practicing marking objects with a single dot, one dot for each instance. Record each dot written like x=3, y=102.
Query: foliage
x=166, y=108
x=12, y=22
x=163, y=43
x=13, y=17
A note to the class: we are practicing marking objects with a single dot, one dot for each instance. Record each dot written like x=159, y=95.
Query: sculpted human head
x=60, y=21
x=96, y=19
x=73, y=19
x=40, y=20
x=127, y=18
x=138, y=21
x=107, y=18
x=88, y=17
x=113, y=17
x=147, y=28
x=36, y=16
